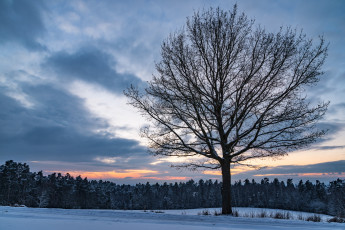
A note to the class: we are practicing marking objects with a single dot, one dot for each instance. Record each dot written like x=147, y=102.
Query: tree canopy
x=230, y=91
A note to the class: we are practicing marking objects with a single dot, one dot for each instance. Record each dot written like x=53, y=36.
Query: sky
x=65, y=64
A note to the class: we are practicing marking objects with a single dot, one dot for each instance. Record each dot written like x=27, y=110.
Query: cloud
x=332, y=128
x=58, y=128
x=323, y=171
x=329, y=147
x=337, y=108
x=91, y=65
x=108, y=45
x=330, y=86
x=21, y=21
x=327, y=167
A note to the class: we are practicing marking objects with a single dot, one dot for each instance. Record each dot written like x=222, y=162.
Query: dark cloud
x=91, y=65
x=57, y=128
x=335, y=108
x=330, y=82
x=52, y=108
x=21, y=21
x=322, y=87
x=330, y=147
x=331, y=129
x=324, y=172
x=63, y=144
x=327, y=167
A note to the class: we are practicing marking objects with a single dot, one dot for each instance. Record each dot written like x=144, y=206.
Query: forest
x=20, y=186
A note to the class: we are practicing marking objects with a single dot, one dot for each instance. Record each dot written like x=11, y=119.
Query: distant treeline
x=20, y=186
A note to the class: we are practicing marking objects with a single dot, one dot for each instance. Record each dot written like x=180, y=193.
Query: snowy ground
x=14, y=218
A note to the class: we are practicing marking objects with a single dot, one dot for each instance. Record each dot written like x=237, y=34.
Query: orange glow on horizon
x=129, y=173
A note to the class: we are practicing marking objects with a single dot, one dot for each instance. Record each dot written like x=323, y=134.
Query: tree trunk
x=226, y=188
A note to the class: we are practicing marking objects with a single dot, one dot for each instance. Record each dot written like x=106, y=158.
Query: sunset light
x=134, y=173
x=65, y=66
x=175, y=114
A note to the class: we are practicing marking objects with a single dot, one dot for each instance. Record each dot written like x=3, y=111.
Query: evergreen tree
x=20, y=186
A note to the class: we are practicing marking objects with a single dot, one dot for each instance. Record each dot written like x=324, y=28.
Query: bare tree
x=229, y=92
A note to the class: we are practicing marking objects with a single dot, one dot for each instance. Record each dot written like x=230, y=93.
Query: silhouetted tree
x=230, y=92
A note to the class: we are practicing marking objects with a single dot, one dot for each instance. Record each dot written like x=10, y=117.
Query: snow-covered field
x=15, y=218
